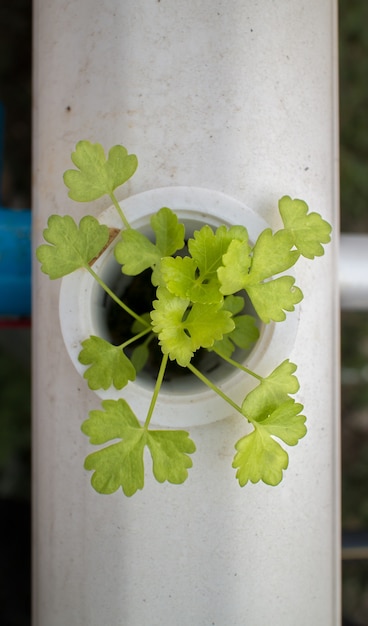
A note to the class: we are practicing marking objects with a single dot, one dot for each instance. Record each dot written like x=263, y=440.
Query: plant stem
x=214, y=387
x=135, y=338
x=160, y=377
x=239, y=366
x=119, y=210
x=116, y=299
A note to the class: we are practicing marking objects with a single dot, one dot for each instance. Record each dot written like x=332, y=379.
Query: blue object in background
x=15, y=262
x=15, y=252
x=2, y=126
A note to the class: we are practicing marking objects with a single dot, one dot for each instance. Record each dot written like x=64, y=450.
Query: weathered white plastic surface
x=184, y=402
x=238, y=97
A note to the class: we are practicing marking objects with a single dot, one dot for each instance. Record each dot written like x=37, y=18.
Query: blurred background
x=15, y=193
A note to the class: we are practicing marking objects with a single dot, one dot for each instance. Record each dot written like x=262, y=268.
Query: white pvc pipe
x=239, y=97
x=354, y=272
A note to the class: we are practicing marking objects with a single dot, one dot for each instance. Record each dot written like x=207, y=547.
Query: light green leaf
x=307, y=230
x=140, y=356
x=272, y=255
x=179, y=274
x=182, y=331
x=96, y=175
x=207, y=247
x=245, y=332
x=233, y=274
x=135, y=252
x=183, y=279
x=169, y=450
x=108, y=364
x=285, y=422
x=169, y=232
x=259, y=457
x=273, y=391
x=273, y=298
x=273, y=414
x=72, y=246
x=121, y=464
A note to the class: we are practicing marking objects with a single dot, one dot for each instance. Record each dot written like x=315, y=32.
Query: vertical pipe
x=239, y=97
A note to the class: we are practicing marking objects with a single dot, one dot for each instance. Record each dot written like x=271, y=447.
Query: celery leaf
x=96, y=175
x=271, y=299
x=183, y=329
x=273, y=414
x=135, y=252
x=259, y=457
x=240, y=271
x=121, y=464
x=108, y=364
x=307, y=230
x=245, y=332
x=72, y=246
x=168, y=230
x=272, y=255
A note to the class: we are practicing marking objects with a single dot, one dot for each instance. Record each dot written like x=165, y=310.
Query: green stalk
x=214, y=387
x=239, y=366
x=160, y=377
x=116, y=299
x=119, y=210
x=135, y=338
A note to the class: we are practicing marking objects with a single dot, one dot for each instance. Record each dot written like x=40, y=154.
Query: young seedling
x=200, y=286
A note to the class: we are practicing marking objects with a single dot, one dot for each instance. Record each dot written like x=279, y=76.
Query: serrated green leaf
x=272, y=255
x=140, y=356
x=96, y=175
x=183, y=279
x=273, y=414
x=182, y=330
x=169, y=450
x=272, y=391
x=169, y=232
x=179, y=274
x=285, y=422
x=307, y=230
x=72, y=246
x=121, y=464
x=234, y=304
x=208, y=247
x=245, y=331
x=233, y=274
x=135, y=252
x=259, y=457
x=108, y=364
x=273, y=298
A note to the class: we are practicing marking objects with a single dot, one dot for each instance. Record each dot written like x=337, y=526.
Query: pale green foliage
x=245, y=331
x=96, y=175
x=273, y=413
x=136, y=253
x=121, y=464
x=71, y=246
x=306, y=230
x=271, y=255
x=182, y=331
x=109, y=366
x=199, y=304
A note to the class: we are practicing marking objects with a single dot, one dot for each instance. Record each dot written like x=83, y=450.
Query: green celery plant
x=199, y=288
